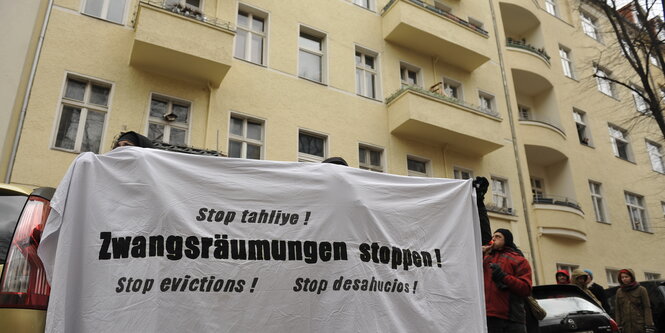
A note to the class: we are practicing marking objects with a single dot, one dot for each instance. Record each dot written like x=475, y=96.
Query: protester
x=507, y=276
x=132, y=138
x=580, y=279
x=632, y=309
x=597, y=291
x=480, y=184
x=562, y=277
x=335, y=160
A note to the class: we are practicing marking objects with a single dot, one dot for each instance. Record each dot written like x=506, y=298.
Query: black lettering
x=364, y=252
x=120, y=284
x=202, y=214
x=104, y=253
x=138, y=247
x=121, y=247
x=192, y=244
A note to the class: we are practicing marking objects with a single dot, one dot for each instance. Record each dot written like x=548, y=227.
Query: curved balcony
x=558, y=200
x=181, y=43
x=426, y=116
x=428, y=30
x=523, y=46
x=526, y=4
x=560, y=221
x=540, y=133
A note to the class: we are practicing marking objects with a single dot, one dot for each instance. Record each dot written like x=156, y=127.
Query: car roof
x=560, y=290
x=9, y=189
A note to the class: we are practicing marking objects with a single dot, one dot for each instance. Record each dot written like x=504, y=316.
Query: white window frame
x=655, y=153
x=619, y=136
x=502, y=194
x=320, y=53
x=367, y=165
x=404, y=69
x=524, y=112
x=589, y=26
x=367, y=4
x=650, y=276
x=85, y=106
x=596, y=191
x=566, y=61
x=169, y=124
x=637, y=212
x=361, y=84
x=612, y=275
x=551, y=7
x=449, y=84
x=305, y=157
x=414, y=173
x=251, y=13
x=605, y=86
x=583, y=132
x=459, y=173
x=640, y=103
x=486, y=102
x=537, y=187
x=105, y=7
x=243, y=139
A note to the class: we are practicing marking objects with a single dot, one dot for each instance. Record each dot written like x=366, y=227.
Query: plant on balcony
x=522, y=44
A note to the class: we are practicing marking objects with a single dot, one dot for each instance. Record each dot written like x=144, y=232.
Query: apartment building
x=446, y=88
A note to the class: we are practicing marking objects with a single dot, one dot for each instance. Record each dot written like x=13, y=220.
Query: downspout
x=207, y=125
x=513, y=134
x=28, y=89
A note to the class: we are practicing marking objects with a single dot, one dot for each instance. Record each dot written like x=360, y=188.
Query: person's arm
x=617, y=308
x=480, y=184
x=648, y=317
x=519, y=283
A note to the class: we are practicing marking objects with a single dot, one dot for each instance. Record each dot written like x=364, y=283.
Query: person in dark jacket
x=632, y=308
x=132, y=138
x=480, y=185
x=507, y=276
x=598, y=291
x=562, y=277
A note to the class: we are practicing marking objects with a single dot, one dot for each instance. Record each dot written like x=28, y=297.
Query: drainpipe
x=26, y=98
x=513, y=134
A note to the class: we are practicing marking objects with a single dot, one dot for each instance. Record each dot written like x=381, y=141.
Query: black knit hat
x=336, y=160
x=135, y=138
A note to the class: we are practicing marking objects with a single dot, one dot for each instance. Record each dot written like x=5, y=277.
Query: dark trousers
x=498, y=325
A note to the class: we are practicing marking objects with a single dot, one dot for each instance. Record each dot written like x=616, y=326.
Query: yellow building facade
x=451, y=88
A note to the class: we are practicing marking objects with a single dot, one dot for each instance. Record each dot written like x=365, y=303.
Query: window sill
x=370, y=98
x=588, y=145
x=604, y=222
x=68, y=150
x=643, y=231
x=103, y=19
x=313, y=81
x=610, y=96
x=365, y=8
x=250, y=62
x=626, y=160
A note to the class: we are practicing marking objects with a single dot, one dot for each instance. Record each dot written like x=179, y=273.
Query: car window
x=560, y=307
x=10, y=209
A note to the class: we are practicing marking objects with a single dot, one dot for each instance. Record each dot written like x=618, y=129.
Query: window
x=612, y=277
x=409, y=74
x=461, y=173
x=597, y=200
x=605, y=86
x=550, y=6
x=245, y=138
x=367, y=4
x=589, y=26
x=566, y=62
x=452, y=89
x=651, y=276
x=366, y=73
x=656, y=156
x=169, y=120
x=500, y=193
x=486, y=102
x=537, y=188
x=582, y=130
x=640, y=104
x=620, y=143
x=636, y=211
x=524, y=112
x=192, y=4
x=251, y=35
x=110, y=10
x=83, y=110
x=311, y=55
x=417, y=166
x=370, y=158
x=311, y=147
x=654, y=60
x=567, y=267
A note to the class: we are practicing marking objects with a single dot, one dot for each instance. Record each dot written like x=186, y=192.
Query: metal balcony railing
x=437, y=93
x=186, y=10
x=530, y=118
x=522, y=44
x=549, y=199
x=438, y=11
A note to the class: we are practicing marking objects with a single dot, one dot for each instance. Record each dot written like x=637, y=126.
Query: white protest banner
x=142, y=240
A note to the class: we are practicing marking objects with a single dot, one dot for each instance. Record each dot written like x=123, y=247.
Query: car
x=656, y=291
x=569, y=309
x=24, y=291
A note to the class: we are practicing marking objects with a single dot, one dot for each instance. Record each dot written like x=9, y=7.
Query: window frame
x=638, y=205
x=597, y=201
x=612, y=276
x=414, y=173
x=551, y=7
x=370, y=166
x=568, y=267
x=537, y=190
x=524, y=112
x=322, y=54
x=104, y=12
x=604, y=86
x=655, y=153
x=251, y=13
x=583, y=131
x=458, y=172
x=404, y=68
x=364, y=52
x=492, y=101
x=85, y=106
x=371, y=5
x=243, y=139
x=650, y=276
x=446, y=81
x=154, y=120
x=640, y=103
x=624, y=139
x=589, y=25
x=505, y=194
x=305, y=157
x=566, y=61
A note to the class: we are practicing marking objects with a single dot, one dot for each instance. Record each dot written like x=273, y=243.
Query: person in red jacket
x=562, y=277
x=507, y=276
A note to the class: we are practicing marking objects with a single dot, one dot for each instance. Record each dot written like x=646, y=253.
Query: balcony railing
x=501, y=210
x=556, y=200
x=546, y=123
x=522, y=44
x=436, y=92
x=188, y=11
x=445, y=14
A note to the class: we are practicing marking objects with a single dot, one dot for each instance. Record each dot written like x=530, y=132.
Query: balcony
x=560, y=221
x=425, y=116
x=545, y=199
x=181, y=43
x=524, y=46
x=428, y=30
